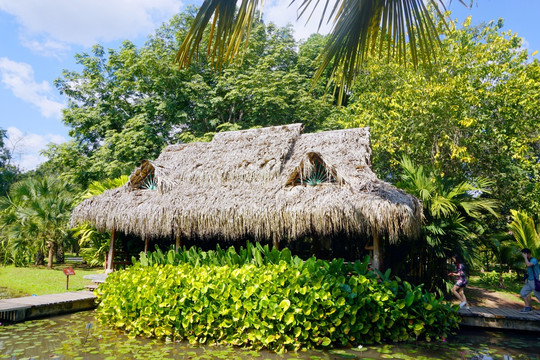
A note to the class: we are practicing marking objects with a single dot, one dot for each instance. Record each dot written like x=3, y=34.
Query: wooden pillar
x=377, y=251
x=110, y=258
x=145, y=244
x=178, y=242
x=275, y=243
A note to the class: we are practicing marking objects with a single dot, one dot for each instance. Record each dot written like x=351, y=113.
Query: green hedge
x=492, y=278
x=274, y=306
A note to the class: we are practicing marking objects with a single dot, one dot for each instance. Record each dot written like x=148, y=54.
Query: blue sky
x=39, y=38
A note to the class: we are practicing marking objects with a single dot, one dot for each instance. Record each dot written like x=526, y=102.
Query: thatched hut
x=270, y=183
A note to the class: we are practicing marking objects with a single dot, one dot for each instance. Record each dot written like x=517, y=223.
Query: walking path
x=31, y=307
x=500, y=318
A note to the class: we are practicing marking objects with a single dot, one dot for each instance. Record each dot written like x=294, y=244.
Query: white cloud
x=280, y=13
x=19, y=78
x=45, y=47
x=25, y=147
x=86, y=22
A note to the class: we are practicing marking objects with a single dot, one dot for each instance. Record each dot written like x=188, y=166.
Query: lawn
x=38, y=280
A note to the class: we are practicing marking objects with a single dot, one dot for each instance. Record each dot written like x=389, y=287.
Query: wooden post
x=178, y=242
x=145, y=244
x=377, y=262
x=275, y=242
x=110, y=258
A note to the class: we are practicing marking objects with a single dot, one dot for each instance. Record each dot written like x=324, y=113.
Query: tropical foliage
x=8, y=172
x=128, y=103
x=34, y=217
x=279, y=306
x=494, y=278
x=253, y=254
x=525, y=232
x=360, y=28
x=94, y=244
x=473, y=115
x=501, y=250
x=453, y=216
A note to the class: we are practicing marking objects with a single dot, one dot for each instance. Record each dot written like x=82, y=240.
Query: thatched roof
x=253, y=183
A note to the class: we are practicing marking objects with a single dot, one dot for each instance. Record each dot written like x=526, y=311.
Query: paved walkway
x=501, y=318
x=31, y=307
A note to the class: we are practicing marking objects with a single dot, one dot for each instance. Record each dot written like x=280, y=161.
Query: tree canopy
x=8, y=172
x=475, y=115
x=127, y=104
x=361, y=28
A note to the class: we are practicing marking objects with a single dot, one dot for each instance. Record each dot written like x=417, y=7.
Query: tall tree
x=475, y=115
x=8, y=172
x=360, y=28
x=129, y=103
x=35, y=216
x=453, y=217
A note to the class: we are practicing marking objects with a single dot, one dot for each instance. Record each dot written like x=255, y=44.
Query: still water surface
x=79, y=336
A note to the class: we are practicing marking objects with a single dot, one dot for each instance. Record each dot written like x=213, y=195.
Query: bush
x=275, y=306
x=252, y=254
x=492, y=278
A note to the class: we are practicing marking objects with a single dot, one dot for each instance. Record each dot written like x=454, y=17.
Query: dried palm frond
x=237, y=185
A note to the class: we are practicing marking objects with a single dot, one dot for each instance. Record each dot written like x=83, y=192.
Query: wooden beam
x=178, y=242
x=145, y=244
x=377, y=260
x=275, y=243
x=110, y=258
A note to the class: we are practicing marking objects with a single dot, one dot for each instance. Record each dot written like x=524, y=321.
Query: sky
x=39, y=39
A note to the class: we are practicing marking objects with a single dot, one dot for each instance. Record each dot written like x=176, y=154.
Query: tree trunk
x=110, y=257
x=377, y=252
x=51, y=246
x=60, y=258
x=40, y=258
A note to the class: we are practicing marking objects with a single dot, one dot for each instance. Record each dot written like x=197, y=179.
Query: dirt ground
x=487, y=298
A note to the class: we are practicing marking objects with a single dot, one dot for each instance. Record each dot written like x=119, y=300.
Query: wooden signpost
x=67, y=272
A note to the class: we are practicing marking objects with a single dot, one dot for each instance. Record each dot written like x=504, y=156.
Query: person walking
x=461, y=282
x=532, y=271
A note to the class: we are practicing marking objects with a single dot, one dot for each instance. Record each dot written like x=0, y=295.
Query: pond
x=79, y=336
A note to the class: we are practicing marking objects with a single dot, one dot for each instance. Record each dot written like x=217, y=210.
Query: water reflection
x=78, y=336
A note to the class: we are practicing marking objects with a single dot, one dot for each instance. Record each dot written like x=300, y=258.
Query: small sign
x=69, y=271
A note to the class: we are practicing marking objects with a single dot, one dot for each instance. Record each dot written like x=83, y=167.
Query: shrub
x=252, y=254
x=280, y=307
x=492, y=278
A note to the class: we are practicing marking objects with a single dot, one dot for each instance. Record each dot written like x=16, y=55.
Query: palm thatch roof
x=256, y=183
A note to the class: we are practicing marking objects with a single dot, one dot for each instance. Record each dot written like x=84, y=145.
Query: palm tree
x=525, y=232
x=93, y=243
x=452, y=215
x=361, y=28
x=35, y=215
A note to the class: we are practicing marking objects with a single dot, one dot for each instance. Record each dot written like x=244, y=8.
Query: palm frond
x=475, y=207
x=524, y=231
x=99, y=187
x=230, y=30
x=442, y=206
x=364, y=28
x=415, y=180
x=361, y=28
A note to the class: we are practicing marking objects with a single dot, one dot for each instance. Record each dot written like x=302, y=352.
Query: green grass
x=40, y=280
x=509, y=292
x=509, y=287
